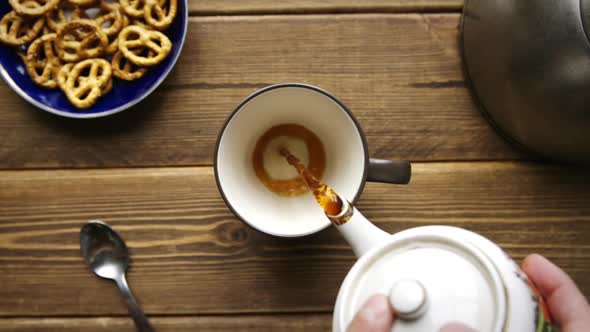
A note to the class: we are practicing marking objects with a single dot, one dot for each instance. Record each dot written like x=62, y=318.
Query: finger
x=375, y=316
x=567, y=305
x=456, y=327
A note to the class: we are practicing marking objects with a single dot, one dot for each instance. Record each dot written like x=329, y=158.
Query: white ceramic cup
x=348, y=165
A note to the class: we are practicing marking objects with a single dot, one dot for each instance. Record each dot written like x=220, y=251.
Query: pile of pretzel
x=79, y=45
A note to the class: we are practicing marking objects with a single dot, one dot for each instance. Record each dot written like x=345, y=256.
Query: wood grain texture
x=400, y=74
x=303, y=323
x=191, y=255
x=225, y=7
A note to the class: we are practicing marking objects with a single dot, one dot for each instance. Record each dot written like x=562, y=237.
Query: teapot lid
x=432, y=279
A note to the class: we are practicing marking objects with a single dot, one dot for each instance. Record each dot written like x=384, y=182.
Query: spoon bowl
x=104, y=250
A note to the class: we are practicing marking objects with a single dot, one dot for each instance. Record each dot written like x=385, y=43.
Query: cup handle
x=389, y=171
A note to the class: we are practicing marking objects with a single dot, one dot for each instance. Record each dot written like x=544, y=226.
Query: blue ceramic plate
x=122, y=96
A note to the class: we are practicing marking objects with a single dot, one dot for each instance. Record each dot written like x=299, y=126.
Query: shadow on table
x=309, y=270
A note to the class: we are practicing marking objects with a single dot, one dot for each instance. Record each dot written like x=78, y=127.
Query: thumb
x=375, y=316
x=456, y=327
x=567, y=304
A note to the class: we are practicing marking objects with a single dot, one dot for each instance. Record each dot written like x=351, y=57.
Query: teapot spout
x=359, y=232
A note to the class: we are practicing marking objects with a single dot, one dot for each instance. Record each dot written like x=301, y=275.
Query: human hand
x=568, y=306
x=377, y=316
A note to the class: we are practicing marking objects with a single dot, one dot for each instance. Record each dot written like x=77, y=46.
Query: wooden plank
x=224, y=7
x=400, y=75
x=191, y=255
x=321, y=322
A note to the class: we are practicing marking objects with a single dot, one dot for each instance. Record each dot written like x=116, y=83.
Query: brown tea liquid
x=324, y=195
x=294, y=186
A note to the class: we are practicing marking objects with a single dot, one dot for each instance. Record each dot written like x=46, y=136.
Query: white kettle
x=527, y=63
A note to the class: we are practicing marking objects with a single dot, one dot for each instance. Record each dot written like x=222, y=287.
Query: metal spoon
x=107, y=255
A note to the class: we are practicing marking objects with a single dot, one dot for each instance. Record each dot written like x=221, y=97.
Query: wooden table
x=148, y=172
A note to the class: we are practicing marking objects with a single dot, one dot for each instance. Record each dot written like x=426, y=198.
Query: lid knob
x=409, y=299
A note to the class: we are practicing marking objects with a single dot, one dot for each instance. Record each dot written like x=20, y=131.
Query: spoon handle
x=141, y=321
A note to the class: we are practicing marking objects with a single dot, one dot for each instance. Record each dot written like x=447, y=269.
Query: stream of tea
x=270, y=167
x=325, y=196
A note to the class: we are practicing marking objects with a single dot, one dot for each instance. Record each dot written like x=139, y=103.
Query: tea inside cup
x=345, y=152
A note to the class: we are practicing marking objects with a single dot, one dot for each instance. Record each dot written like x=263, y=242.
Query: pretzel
x=33, y=7
x=87, y=81
x=84, y=3
x=65, y=70
x=62, y=75
x=124, y=69
x=107, y=87
x=112, y=47
x=41, y=61
x=16, y=30
x=156, y=14
x=126, y=20
x=136, y=43
x=133, y=8
x=113, y=42
x=58, y=17
x=80, y=39
x=141, y=23
x=108, y=16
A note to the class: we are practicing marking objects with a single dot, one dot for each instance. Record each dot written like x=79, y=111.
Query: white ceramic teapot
x=436, y=275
